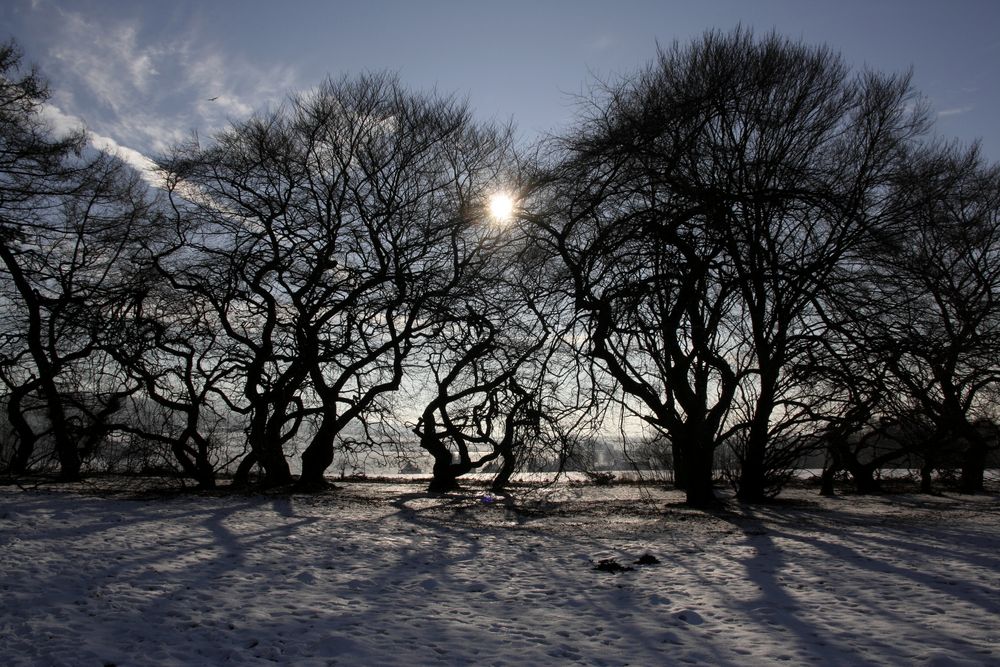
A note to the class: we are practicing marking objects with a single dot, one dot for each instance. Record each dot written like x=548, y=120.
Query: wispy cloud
x=602, y=43
x=143, y=94
x=224, y=88
x=954, y=111
x=106, y=58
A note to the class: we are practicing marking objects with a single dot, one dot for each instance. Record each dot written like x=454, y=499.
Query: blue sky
x=141, y=75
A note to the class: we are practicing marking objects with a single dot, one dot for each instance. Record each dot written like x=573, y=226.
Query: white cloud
x=140, y=162
x=63, y=123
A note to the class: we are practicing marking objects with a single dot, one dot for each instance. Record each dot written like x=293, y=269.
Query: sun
x=501, y=206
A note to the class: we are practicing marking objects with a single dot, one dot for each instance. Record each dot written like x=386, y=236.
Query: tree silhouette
x=320, y=233
x=701, y=208
x=70, y=220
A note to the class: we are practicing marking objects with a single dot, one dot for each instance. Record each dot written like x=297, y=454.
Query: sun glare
x=502, y=207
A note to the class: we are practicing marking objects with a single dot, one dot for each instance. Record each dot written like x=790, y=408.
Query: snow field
x=381, y=574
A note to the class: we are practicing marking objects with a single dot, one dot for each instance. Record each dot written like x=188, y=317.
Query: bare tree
x=488, y=358
x=70, y=218
x=932, y=315
x=179, y=356
x=319, y=233
x=703, y=204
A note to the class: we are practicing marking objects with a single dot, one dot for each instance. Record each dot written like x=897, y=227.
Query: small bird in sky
x=212, y=99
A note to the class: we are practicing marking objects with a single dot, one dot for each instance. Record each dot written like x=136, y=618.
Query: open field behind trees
x=385, y=574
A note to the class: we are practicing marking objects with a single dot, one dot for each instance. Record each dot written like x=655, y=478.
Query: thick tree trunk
x=265, y=444
x=826, y=486
x=26, y=437
x=276, y=470
x=266, y=451
x=446, y=471
x=66, y=449
x=22, y=455
x=508, y=464
x=179, y=450
x=700, y=488
x=445, y=476
x=47, y=370
x=198, y=468
x=864, y=478
x=241, y=478
x=973, y=475
x=680, y=465
x=833, y=466
x=205, y=473
x=752, y=483
x=316, y=458
x=927, y=477
x=973, y=459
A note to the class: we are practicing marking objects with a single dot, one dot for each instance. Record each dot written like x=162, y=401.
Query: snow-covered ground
x=379, y=574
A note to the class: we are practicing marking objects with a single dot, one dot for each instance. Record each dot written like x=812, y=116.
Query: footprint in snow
x=690, y=617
